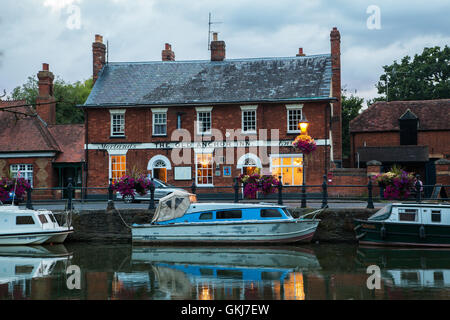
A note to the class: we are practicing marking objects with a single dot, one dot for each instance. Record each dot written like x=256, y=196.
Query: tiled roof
x=383, y=116
x=70, y=138
x=201, y=82
x=23, y=131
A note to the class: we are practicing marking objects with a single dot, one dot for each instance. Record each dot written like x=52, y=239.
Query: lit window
x=117, y=123
x=204, y=169
x=118, y=167
x=26, y=171
x=289, y=167
x=294, y=116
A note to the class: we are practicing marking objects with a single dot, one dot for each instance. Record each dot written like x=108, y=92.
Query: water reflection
x=20, y=266
x=410, y=268
x=322, y=271
x=226, y=273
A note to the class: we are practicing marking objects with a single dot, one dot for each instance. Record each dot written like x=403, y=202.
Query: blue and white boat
x=178, y=219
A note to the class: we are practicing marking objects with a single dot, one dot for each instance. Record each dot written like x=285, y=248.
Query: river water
x=320, y=272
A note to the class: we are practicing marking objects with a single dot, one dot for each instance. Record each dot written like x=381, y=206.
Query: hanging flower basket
x=304, y=143
x=397, y=184
x=255, y=183
x=20, y=186
x=128, y=185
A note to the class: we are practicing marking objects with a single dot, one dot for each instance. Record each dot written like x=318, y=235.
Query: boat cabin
x=13, y=218
x=426, y=213
x=221, y=212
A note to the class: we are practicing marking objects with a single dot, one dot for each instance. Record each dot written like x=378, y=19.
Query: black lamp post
x=303, y=126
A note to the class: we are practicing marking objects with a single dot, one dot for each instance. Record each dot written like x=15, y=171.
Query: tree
x=67, y=96
x=351, y=106
x=425, y=77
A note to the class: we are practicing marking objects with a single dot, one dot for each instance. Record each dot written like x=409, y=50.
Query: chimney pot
x=45, y=67
x=98, y=38
x=217, y=49
x=300, y=53
x=98, y=56
x=167, y=54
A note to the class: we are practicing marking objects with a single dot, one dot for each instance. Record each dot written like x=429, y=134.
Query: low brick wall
x=107, y=226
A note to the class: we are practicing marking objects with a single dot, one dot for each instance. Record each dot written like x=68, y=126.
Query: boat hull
x=34, y=238
x=401, y=234
x=289, y=231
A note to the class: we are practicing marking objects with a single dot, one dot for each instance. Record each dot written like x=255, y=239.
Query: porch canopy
x=408, y=153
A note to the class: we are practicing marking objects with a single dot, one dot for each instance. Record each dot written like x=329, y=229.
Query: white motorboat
x=178, y=219
x=28, y=227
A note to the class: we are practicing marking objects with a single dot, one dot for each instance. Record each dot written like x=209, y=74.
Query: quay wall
x=107, y=225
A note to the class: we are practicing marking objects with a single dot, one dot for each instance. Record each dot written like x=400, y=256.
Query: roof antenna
x=107, y=51
x=210, y=31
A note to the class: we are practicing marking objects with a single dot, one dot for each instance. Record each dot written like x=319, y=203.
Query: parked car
x=162, y=189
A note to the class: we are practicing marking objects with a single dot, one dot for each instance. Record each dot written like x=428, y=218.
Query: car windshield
x=382, y=214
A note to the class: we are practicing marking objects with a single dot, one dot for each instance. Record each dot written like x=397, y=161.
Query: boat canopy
x=173, y=206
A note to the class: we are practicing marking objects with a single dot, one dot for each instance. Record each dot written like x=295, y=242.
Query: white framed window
x=159, y=121
x=117, y=122
x=26, y=171
x=249, y=119
x=294, y=116
x=289, y=167
x=204, y=120
x=204, y=169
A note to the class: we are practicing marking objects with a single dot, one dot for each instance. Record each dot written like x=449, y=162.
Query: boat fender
x=383, y=232
x=422, y=232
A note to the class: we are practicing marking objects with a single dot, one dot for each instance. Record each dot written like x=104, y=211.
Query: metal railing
x=283, y=192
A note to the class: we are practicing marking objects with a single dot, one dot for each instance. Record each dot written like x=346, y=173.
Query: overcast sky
x=60, y=32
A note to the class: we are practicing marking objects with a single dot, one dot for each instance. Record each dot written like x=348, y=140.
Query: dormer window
x=408, y=123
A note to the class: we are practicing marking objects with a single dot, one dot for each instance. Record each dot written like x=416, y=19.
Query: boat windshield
x=286, y=211
x=382, y=214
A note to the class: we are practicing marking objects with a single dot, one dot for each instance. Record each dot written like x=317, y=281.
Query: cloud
x=37, y=31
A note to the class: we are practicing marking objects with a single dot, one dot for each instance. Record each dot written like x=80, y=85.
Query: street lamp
x=303, y=126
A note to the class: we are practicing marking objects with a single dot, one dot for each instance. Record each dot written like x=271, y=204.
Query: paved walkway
x=99, y=205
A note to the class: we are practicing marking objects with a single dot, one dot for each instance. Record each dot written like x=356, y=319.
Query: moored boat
x=406, y=224
x=178, y=219
x=29, y=227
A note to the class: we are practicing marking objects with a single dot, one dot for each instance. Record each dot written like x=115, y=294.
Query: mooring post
x=370, y=198
x=69, y=194
x=193, y=187
x=303, y=205
x=324, y=192
x=151, y=205
x=29, y=203
x=236, y=190
x=418, y=187
x=280, y=191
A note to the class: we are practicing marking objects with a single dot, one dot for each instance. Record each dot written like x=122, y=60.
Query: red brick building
x=209, y=121
x=412, y=134
x=31, y=142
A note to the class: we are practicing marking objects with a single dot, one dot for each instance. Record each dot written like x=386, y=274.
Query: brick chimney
x=300, y=53
x=167, y=53
x=98, y=56
x=217, y=49
x=45, y=102
x=336, y=127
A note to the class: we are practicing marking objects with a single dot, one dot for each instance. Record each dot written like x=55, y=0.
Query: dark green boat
x=401, y=224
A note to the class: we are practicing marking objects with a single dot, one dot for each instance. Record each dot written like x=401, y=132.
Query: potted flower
x=397, y=183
